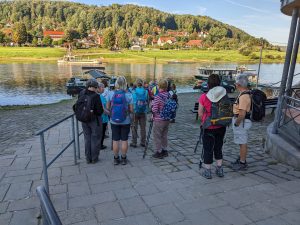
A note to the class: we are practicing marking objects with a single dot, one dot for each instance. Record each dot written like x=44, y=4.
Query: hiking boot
x=133, y=145
x=117, y=160
x=165, y=153
x=220, y=171
x=158, y=155
x=143, y=145
x=172, y=121
x=238, y=165
x=206, y=173
x=88, y=161
x=124, y=160
x=95, y=161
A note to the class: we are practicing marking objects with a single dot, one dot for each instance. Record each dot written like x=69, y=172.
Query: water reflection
x=43, y=83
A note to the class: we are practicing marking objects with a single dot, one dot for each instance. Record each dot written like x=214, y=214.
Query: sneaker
x=117, y=160
x=133, y=145
x=158, y=155
x=220, y=171
x=124, y=160
x=103, y=147
x=206, y=173
x=237, y=165
x=165, y=153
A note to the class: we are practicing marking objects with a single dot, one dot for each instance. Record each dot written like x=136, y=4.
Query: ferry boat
x=73, y=59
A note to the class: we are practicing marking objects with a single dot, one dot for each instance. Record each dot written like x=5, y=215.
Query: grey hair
x=92, y=83
x=101, y=85
x=242, y=80
x=121, y=83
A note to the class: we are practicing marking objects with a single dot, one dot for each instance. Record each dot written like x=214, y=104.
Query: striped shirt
x=158, y=104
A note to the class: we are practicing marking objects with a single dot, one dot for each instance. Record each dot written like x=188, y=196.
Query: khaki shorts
x=240, y=133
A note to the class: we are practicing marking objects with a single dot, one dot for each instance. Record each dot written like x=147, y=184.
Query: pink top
x=206, y=103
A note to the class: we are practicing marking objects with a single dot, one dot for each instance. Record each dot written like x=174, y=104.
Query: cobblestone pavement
x=146, y=192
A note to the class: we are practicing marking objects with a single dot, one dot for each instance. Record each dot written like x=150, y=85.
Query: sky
x=260, y=18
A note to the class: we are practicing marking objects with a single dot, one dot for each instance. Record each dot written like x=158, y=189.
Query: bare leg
x=124, y=147
x=219, y=162
x=243, y=152
x=116, y=148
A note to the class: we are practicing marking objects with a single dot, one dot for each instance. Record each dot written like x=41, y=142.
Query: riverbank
x=17, y=54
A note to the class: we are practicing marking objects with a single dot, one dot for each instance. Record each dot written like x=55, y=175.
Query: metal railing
x=289, y=125
x=49, y=214
x=74, y=141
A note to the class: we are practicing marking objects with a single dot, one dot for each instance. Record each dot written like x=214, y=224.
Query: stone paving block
x=110, y=186
x=151, y=170
x=261, y=210
x=28, y=203
x=5, y=218
x=294, y=173
x=25, y=217
x=203, y=203
x=97, y=178
x=90, y=200
x=58, y=189
x=18, y=191
x=134, y=172
x=167, y=214
x=272, y=178
x=73, y=179
x=3, y=207
x=115, y=175
x=20, y=163
x=78, y=189
x=70, y=170
x=22, y=172
x=162, y=198
x=126, y=193
x=142, y=219
x=6, y=161
x=272, y=190
x=183, y=174
x=21, y=179
x=146, y=189
x=78, y=215
x=60, y=201
x=290, y=186
x=109, y=211
x=174, y=184
x=281, y=174
x=33, y=164
x=3, y=190
x=273, y=221
x=237, y=183
x=54, y=172
x=289, y=202
x=133, y=206
x=230, y=215
x=203, y=218
x=291, y=217
x=89, y=222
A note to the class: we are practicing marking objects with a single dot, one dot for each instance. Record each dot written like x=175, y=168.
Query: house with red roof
x=194, y=43
x=164, y=40
x=54, y=35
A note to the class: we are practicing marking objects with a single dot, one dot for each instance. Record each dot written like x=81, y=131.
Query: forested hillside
x=136, y=20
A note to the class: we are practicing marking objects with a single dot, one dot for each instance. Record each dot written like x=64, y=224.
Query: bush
x=278, y=57
x=254, y=56
x=246, y=51
x=269, y=56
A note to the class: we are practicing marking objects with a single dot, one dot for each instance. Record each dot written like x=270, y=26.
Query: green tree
x=123, y=39
x=71, y=34
x=109, y=38
x=34, y=41
x=2, y=37
x=47, y=41
x=19, y=33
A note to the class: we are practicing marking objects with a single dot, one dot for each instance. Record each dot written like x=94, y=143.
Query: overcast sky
x=260, y=18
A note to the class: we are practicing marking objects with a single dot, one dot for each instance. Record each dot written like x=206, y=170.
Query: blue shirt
x=129, y=101
x=104, y=116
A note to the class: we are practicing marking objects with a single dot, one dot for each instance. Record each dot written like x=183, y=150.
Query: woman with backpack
x=120, y=103
x=212, y=136
x=104, y=117
x=160, y=125
x=140, y=99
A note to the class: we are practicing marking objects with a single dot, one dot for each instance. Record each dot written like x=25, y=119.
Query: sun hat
x=92, y=83
x=215, y=94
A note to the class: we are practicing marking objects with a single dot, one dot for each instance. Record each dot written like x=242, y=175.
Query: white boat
x=73, y=59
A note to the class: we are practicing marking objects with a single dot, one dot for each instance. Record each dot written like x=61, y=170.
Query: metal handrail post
x=286, y=69
x=45, y=171
x=77, y=137
x=74, y=139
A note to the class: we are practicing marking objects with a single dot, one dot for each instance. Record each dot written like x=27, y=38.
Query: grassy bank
x=163, y=56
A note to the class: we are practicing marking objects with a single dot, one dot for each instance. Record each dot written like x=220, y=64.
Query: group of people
x=125, y=108
x=213, y=135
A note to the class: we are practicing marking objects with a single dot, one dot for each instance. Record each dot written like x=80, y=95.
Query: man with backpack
x=88, y=109
x=140, y=104
x=241, y=122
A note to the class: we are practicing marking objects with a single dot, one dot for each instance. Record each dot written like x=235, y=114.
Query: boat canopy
x=97, y=74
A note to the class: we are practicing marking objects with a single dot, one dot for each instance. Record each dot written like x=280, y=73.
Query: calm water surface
x=44, y=83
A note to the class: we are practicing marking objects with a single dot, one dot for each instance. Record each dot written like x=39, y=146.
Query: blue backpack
x=119, y=107
x=141, y=101
x=169, y=110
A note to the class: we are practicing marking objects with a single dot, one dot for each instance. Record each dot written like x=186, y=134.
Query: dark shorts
x=120, y=132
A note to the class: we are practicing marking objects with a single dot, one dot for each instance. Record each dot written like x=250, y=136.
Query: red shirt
x=206, y=103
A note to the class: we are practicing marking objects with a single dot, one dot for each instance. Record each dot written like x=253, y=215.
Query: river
x=44, y=83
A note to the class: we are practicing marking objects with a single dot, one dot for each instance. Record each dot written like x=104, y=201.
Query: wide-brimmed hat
x=215, y=94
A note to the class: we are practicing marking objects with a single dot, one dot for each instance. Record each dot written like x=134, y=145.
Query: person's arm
x=98, y=106
x=244, y=101
x=200, y=111
x=241, y=117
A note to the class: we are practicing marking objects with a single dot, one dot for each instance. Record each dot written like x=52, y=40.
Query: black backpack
x=83, y=107
x=258, y=109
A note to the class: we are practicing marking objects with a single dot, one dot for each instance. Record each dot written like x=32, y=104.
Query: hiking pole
x=199, y=140
x=148, y=138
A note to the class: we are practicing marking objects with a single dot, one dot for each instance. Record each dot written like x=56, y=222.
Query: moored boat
x=73, y=59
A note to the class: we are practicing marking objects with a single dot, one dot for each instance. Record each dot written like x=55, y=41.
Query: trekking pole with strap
x=199, y=140
x=148, y=138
